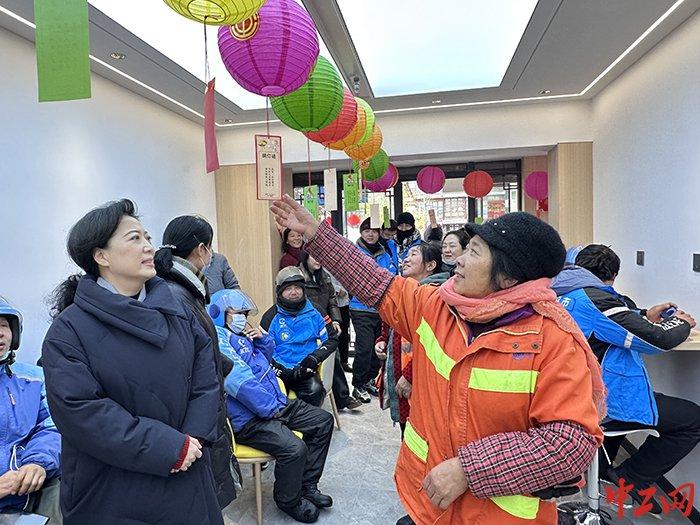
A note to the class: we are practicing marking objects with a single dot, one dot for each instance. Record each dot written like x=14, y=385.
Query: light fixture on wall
x=438, y=101
x=545, y=92
x=117, y=56
x=228, y=121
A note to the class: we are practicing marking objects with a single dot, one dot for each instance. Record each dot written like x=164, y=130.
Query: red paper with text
x=212, y=150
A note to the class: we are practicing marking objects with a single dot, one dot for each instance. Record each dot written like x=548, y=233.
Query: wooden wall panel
x=571, y=191
x=247, y=234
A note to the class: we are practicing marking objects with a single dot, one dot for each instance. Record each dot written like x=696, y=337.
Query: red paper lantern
x=341, y=126
x=477, y=184
x=536, y=186
x=431, y=179
x=354, y=220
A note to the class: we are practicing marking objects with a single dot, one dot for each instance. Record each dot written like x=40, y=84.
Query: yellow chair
x=325, y=372
x=250, y=456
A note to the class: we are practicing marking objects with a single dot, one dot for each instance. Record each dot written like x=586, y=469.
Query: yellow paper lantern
x=355, y=135
x=368, y=148
x=216, y=12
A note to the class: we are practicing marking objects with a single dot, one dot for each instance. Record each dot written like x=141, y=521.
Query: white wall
x=647, y=169
x=60, y=159
x=646, y=194
x=449, y=130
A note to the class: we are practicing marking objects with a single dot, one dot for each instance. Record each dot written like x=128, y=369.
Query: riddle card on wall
x=330, y=187
x=268, y=166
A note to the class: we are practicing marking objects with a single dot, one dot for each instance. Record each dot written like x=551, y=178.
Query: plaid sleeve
x=525, y=462
x=358, y=273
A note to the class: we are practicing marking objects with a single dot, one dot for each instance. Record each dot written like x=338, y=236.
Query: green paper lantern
x=370, y=121
x=374, y=168
x=315, y=104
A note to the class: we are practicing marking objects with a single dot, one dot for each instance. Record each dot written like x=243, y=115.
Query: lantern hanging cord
x=207, y=73
x=267, y=115
x=308, y=157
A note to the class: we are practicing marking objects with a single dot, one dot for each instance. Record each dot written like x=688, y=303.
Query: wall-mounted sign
x=268, y=165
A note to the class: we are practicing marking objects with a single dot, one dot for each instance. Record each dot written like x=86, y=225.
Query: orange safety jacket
x=510, y=379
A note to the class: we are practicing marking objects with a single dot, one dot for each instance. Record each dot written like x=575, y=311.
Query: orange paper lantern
x=367, y=149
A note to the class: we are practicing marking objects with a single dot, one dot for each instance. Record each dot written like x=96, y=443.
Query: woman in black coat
x=182, y=262
x=131, y=384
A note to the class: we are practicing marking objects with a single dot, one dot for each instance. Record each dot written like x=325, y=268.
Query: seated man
x=261, y=415
x=31, y=445
x=303, y=339
x=619, y=333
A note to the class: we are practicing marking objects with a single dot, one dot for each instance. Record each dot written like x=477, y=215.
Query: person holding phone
x=261, y=415
x=620, y=333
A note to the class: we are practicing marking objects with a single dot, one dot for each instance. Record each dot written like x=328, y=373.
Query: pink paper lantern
x=341, y=126
x=477, y=184
x=273, y=52
x=396, y=176
x=384, y=182
x=431, y=179
x=536, y=186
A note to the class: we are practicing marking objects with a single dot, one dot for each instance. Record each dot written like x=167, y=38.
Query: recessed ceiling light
x=118, y=56
x=437, y=101
x=545, y=92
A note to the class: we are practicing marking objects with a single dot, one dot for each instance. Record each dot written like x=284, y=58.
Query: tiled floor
x=358, y=476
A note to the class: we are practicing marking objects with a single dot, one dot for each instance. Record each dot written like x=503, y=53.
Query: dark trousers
x=298, y=462
x=341, y=391
x=368, y=327
x=310, y=390
x=344, y=337
x=679, y=429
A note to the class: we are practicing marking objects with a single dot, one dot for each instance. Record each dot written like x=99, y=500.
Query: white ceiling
x=571, y=48
x=465, y=44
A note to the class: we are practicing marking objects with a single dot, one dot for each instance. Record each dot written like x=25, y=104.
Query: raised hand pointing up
x=290, y=214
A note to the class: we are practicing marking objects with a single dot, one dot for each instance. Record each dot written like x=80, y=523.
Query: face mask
x=237, y=323
x=205, y=267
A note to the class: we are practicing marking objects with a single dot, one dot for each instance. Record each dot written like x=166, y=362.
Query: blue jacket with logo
x=618, y=334
x=384, y=259
x=296, y=335
x=252, y=387
x=28, y=432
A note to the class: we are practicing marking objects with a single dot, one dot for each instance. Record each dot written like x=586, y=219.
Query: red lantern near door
x=478, y=184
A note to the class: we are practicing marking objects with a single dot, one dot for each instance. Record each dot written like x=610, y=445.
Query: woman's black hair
x=181, y=236
x=91, y=232
x=462, y=237
x=600, y=260
x=502, y=267
x=430, y=252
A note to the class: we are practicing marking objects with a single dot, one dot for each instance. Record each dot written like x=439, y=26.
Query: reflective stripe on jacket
x=510, y=379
